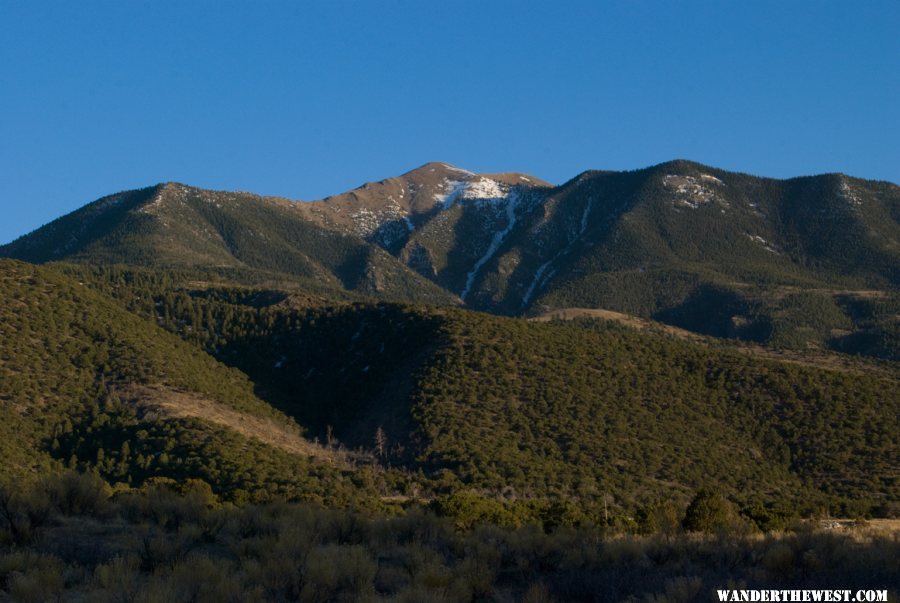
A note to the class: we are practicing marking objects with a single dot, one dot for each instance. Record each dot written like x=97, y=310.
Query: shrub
x=537, y=592
x=22, y=512
x=710, y=512
x=73, y=493
x=119, y=580
x=662, y=517
x=32, y=577
x=339, y=573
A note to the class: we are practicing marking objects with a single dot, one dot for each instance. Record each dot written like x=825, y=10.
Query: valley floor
x=159, y=545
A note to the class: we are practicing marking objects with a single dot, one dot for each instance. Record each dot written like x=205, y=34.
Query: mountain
x=810, y=262
x=669, y=230
x=444, y=222
x=389, y=211
x=805, y=262
x=245, y=237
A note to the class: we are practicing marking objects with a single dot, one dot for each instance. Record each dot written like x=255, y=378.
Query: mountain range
x=454, y=386
x=810, y=262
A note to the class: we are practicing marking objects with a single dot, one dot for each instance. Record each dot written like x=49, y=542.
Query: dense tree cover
x=709, y=511
x=324, y=363
x=66, y=356
x=585, y=411
x=492, y=419
x=70, y=538
x=449, y=454
x=877, y=321
x=783, y=318
x=125, y=449
x=527, y=408
x=723, y=265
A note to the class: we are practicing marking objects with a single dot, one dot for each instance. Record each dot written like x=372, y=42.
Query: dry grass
x=856, y=527
x=814, y=358
x=783, y=291
x=625, y=319
x=171, y=403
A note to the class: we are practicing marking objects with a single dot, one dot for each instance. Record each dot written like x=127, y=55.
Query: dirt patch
x=626, y=319
x=170, y=403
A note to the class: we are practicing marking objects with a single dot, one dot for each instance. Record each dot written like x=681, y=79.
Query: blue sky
x=306, y=99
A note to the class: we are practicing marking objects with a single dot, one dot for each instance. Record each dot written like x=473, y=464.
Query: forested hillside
x=800, y=263
x=73, y=366
x=151, y=431
x=584, y=411
x=240, y=236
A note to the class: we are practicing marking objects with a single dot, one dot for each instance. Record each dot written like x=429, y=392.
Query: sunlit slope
x=252, y=237
x=87, y=384
x=574, y=410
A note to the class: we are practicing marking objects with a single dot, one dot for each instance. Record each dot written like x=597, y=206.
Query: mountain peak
x=679, y=166
x=452, y=172
x=440, y=167
x=388, y=211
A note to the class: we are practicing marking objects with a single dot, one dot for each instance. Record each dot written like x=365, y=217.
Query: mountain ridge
x=692, y=245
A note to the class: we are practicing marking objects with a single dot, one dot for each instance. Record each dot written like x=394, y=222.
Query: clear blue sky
x=305, y=99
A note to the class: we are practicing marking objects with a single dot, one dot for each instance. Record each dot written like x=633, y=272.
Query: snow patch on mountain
x=154, y=204
x=689, y=192
x=713, y=179
x=584, y=216
x=537, y=281
x=477, y=189
x=848, y=194
x=367, y=222
x=453, y=189
x=512, y=202
x=460, y=170
x=390, y=224
x=168, y=193
x=484, y=188
x=761, y=241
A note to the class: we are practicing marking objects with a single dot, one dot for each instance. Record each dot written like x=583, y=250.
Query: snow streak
x=512, y=202
x=541, y=276
x=447, y=200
